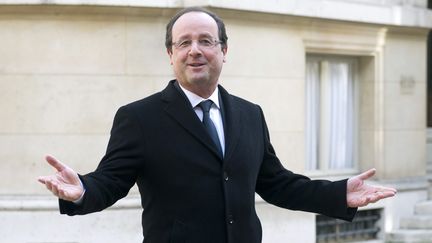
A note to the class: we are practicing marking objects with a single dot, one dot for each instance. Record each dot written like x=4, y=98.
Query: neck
x=204, y=91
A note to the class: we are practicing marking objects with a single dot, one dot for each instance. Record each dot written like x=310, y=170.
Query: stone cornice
x=375, y=12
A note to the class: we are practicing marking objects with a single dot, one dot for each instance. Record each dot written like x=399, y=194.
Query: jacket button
x=226, y=178
x=230, y=219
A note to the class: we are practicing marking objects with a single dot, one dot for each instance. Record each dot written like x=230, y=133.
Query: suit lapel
x=179, y=109
x=232, y=121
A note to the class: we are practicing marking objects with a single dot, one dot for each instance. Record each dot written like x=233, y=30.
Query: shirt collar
x=195, y=99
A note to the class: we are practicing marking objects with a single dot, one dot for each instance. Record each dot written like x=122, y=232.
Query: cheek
x=179, y=60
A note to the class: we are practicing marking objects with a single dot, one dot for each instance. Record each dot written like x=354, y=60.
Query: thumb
x=59, y=166
x=367, y=174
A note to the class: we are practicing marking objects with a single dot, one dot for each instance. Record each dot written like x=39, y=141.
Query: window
x=365, y=226
x=330, y=113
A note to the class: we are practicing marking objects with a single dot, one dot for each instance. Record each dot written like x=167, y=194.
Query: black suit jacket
x=188, y=192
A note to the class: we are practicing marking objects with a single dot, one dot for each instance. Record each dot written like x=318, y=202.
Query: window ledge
x=50, y=203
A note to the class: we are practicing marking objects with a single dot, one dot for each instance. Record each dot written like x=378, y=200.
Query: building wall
x=65, y=69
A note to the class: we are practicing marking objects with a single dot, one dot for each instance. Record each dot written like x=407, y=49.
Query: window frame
x=429, y=81
x=354, y=61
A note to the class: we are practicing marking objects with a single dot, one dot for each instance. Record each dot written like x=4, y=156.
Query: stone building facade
x=67, y=65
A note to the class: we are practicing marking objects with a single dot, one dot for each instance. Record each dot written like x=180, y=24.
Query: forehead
x=194, y=24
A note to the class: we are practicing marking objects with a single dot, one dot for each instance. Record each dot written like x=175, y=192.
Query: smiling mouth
x=196, y=64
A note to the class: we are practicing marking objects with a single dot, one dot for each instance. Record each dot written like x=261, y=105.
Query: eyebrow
x=187, y=36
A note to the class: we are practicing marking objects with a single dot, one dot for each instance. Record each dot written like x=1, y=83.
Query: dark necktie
x=209, y=125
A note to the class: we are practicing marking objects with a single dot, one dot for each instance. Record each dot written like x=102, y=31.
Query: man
x=198, y=163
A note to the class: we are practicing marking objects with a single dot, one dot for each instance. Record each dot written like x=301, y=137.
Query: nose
x=195, y=49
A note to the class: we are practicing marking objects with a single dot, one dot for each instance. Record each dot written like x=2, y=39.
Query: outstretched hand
x=360, y=194
x=65, y=183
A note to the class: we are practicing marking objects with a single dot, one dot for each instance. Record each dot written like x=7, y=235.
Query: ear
x=224, y=51
x=169, y=52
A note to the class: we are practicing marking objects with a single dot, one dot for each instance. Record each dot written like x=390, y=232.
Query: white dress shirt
x=214, y=112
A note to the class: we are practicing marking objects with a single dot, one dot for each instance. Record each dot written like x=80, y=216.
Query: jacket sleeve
x=286, y=189
x=118, y=170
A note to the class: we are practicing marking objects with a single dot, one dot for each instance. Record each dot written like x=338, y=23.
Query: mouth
x=196, y=64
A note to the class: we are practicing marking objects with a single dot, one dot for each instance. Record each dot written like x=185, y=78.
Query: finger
x=386, y=194
x=380, y=195
x=45, y=179
x=41, y=179
x=384, y=189
x=59, y=166
x=65, y=194
x=388, y=190
x=367, y=174
x=55, y=189
x=374, y=199
x=62, y=194
x=48, y=185
x=365, y=201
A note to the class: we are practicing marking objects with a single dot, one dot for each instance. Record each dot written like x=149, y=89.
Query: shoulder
x=237, y=101
x=156, y=100
x=243, y=106
x=242, y=102
x=145, y=103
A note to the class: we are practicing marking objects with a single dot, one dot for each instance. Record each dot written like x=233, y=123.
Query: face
x=196, y=66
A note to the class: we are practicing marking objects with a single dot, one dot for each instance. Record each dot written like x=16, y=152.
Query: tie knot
x=205, y=105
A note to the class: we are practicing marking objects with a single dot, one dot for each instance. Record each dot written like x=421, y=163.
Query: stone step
x=429, y=166
x=417, y=222
x=409, y=236
x=423, y=208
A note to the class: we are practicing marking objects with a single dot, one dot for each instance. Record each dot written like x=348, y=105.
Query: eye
x=205, y=42
x=184, y=43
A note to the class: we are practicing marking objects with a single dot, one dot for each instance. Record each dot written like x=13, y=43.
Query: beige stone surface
x=395, y=154
x=282, y=101
x=369, y=151
x=368, y=106
x=109, y=226
x=145, y=46
x=399, y=111
x=280, y=225
x=389, y=12
x=64, y=73
x=401, y=206
x=290, y=149
x=23, y=161
x=405, y=55
x=62, y=44
x=368, y=99
x=404, y=153
x=277, y=53
x=67, y=103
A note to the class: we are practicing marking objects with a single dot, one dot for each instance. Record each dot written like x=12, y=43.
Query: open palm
x=360, y=194
x=65, y=183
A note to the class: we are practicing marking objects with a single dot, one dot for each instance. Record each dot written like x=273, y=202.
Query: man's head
x=221, y=26
x=196, y=42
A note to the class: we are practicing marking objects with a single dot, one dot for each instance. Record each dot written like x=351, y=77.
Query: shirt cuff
x=81, y=198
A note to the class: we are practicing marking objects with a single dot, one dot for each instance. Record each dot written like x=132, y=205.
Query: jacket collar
x=179, y=108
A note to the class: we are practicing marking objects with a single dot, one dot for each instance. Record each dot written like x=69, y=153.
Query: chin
x=199, y=80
